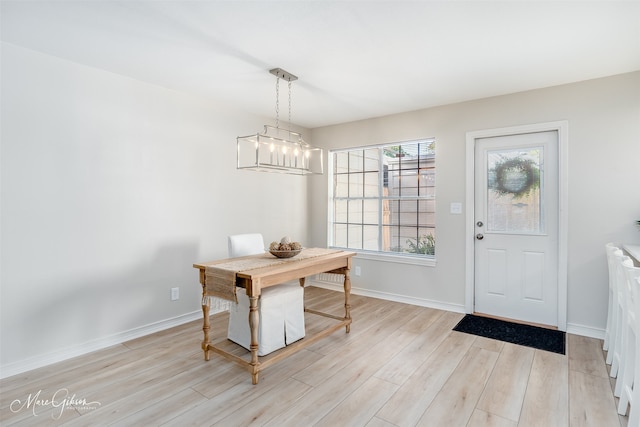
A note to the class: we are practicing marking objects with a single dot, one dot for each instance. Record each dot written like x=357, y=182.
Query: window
x=383, y=198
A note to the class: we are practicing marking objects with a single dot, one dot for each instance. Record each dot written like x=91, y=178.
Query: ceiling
x=354, y=59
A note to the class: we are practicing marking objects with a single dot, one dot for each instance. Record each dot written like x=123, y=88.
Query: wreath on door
x=516, y=177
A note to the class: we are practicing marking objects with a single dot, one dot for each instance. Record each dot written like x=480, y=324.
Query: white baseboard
x=572, y=328
x=15, y=368
x=457, y=308
x=586, y=331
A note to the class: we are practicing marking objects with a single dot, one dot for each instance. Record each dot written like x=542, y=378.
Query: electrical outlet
x=175, y=294
x=358, y=270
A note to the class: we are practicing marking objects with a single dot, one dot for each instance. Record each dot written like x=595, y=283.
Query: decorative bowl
x=285, y=254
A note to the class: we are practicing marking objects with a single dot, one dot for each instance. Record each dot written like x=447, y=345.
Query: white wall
x=604, y=187
x=111, y=190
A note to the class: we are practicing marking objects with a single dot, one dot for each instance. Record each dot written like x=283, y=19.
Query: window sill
x=396, y=259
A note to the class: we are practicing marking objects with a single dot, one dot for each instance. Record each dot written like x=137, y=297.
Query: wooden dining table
x=257, y=272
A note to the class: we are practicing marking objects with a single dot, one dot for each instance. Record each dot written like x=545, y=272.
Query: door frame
x=562, y=127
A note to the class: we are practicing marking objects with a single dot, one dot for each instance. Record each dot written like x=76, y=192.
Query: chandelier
x=277, y=149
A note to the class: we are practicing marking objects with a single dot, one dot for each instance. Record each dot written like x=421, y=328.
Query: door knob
x=479, y=236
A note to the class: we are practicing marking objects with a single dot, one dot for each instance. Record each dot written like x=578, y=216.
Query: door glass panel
x=514, y=191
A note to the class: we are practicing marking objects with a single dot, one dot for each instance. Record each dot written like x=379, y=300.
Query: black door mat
x=515, y=333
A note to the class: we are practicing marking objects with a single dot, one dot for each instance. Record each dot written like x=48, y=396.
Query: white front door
x=516, y=227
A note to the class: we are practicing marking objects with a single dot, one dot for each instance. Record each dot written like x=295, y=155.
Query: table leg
x=302, y=281
x=347, y=295
x=205, y=326
x=254, y=320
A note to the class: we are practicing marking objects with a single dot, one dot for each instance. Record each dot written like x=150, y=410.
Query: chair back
x=610, y=249
x=632, y=275
x=245, y=244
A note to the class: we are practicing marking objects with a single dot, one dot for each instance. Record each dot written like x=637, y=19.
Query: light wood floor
x=401, y=365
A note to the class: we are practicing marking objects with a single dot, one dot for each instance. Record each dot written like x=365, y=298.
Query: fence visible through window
x=383, y=198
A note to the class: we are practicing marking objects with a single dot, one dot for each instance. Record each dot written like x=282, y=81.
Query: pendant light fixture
x=278, y=149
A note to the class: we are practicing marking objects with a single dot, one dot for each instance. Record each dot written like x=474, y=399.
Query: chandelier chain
x=289, y=104
x=277, y=102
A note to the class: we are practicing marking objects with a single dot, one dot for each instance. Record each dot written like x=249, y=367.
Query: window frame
x=378, y=255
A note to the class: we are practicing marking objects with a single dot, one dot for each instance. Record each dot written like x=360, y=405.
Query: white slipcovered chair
x=281, y=307
x=626, y=311
x=628, y=382
x=610, y=331
x=616, y=345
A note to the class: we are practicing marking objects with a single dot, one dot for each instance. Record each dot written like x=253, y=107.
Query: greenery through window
x=383, y=198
